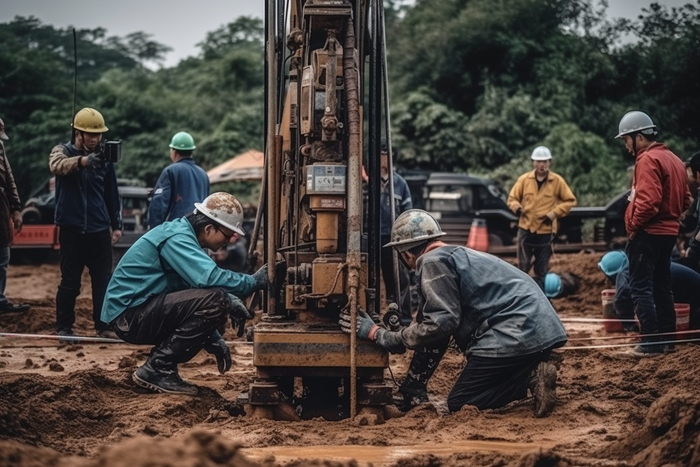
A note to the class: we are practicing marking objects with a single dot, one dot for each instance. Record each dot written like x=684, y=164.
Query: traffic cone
x=478, y=236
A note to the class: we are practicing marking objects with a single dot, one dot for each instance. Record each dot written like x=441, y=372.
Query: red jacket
x=659, y=194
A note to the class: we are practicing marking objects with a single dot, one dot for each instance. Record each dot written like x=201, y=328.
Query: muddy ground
x=75, y=405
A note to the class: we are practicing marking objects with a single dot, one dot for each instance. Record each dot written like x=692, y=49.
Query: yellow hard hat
x=90, y=121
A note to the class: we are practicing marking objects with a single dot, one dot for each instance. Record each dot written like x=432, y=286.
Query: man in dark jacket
x=88, y=213
x=496, y=314
x=180, y=185
x=658, y=198
x=10, y=222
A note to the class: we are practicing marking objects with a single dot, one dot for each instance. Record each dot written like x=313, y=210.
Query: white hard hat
x=541, y=153
x=412, y=228
x=224, y=209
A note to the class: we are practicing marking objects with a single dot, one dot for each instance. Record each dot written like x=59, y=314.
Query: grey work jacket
x=491, y=308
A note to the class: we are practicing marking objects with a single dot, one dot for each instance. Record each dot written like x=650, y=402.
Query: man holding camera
x=88, y=212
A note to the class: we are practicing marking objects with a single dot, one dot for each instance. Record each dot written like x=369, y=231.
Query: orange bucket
x=682, y=318
x=611, y=323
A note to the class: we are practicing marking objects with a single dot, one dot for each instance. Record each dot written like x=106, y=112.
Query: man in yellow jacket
x=539, y=198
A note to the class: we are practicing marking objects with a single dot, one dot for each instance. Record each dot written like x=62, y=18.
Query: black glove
x=260, y=276
x=218, y=348
x=694, y=251
x=94, y=161
x=239, y=315
x=519, y=212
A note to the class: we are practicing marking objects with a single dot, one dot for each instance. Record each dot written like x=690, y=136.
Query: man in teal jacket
x=166, y=291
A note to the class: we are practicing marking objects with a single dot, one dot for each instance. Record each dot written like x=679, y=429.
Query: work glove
x=693, y=253
x=260, y=276
x=365, y=325
x=218, y=348
x=239, y=315
x=94, y=161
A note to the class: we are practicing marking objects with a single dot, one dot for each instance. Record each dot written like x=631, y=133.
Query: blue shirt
x=167, y=259
x=401, y=202
x=180, y=185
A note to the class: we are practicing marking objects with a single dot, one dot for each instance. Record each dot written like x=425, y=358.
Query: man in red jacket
x=658, y=198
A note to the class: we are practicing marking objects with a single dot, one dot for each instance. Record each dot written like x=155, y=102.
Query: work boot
x=107, y=334
x=543, y=384
x=67, y=332
x=166, y=381
x=647, y=350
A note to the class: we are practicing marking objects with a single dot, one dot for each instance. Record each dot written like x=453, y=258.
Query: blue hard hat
x=613, y=262
x=552, y=285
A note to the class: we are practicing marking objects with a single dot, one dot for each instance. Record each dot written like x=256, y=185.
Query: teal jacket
x=167, y=259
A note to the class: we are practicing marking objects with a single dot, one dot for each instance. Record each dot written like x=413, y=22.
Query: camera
x=112, y=151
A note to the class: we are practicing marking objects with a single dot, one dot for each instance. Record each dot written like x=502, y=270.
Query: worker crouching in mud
x=498, y=316
x=167, y=292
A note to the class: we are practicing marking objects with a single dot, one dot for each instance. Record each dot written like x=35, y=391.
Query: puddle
x=384, y=455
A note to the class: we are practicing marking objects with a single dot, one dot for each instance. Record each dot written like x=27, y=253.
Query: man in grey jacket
x=496, y=314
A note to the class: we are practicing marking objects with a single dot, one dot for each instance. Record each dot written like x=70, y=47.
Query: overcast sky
x=182, y=24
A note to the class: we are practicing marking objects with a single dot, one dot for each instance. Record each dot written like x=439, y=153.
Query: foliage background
x=475, y=86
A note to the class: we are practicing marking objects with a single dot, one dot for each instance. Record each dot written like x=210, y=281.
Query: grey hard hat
x=412, y=228
x=636, y=121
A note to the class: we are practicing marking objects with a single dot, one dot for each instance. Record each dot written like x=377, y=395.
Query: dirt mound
x=75, y=405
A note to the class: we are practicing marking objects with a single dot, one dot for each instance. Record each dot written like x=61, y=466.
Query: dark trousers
x=489, y=383
x=404, y=301
x=650, y=282
x=486, y=383
x=538, y=246
x=178, y=324
x=79, y=250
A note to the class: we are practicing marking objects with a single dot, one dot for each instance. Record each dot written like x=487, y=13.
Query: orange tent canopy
x=246, y=166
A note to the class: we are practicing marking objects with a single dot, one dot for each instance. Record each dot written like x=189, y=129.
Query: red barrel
x=682, y=318
x=611, y=323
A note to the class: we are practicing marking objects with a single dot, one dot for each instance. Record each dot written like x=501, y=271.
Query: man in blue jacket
x=88, y=213
x=496, y=314
x=167, y=292
x=180, y=185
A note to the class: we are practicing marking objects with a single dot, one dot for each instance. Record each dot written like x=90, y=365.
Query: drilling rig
x=326, y=100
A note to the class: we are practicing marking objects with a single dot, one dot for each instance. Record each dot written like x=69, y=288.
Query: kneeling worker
x=167, y=292
x=498, y=316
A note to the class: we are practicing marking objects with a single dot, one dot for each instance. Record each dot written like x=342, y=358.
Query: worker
x=539, y=198
x=167, y=292
x=658, y=198
x=684, y=283
x=88, y=214
x=496, y=314
x=10, y=223
x=691, y=255
x=180, y=185
x=401, y=203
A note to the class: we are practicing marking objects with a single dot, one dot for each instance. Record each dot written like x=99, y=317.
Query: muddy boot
x=542, y=385
x=162, y=377
x=413, y=392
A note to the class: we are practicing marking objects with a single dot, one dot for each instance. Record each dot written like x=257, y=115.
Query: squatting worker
x=658, y=198
x=180, y=185
x=167, y=292
x=539, y=198
x=496, y=314
x=88, y=212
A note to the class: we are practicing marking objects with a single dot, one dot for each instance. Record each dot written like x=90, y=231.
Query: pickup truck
x=39, y=234
x=456, y=199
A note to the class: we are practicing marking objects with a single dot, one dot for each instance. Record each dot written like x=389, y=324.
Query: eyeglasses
x=227, y=237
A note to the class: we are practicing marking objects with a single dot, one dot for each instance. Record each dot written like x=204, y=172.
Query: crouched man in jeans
x=498, y=316
x=167, y=292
